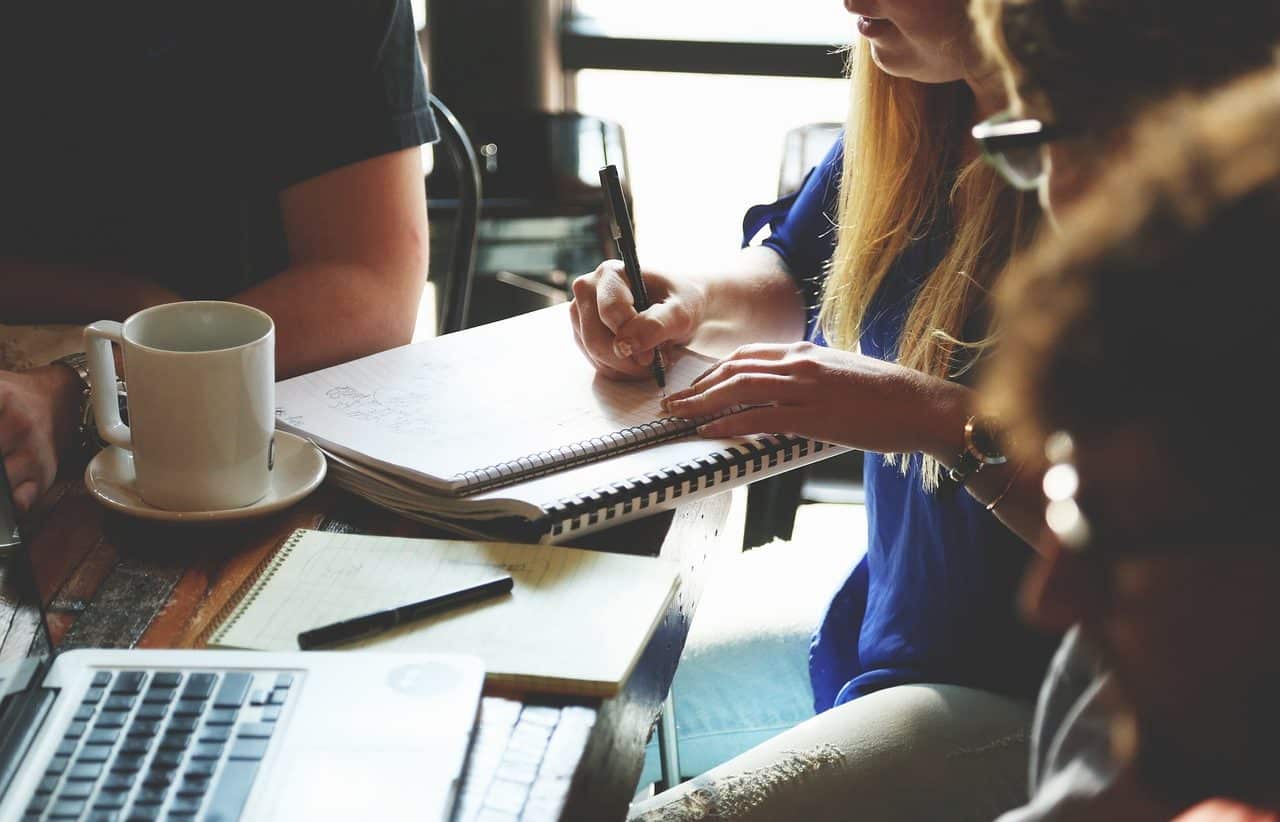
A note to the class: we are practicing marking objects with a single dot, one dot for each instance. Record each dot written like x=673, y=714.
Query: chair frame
x=455, y=291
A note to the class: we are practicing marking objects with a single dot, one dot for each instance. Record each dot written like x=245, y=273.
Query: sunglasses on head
x=1012, y=147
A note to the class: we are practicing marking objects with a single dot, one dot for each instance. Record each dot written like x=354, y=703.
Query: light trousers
x=913, y=752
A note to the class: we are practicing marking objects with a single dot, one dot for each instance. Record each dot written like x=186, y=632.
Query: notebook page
x=575, y=621
x=462, y=402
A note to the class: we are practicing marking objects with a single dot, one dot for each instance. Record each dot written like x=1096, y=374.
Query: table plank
x=112, y=581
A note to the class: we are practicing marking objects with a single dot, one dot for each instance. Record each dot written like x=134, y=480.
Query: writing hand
x=619, y=341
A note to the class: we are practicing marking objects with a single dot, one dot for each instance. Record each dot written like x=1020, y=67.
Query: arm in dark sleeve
x=802, y=228
x=353, y=88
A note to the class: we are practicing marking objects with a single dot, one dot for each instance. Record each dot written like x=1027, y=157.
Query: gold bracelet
x=991, y=506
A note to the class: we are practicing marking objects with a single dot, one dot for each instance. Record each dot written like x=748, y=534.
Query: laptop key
x=222, y=716
x=271, y=713
x=235, y=687
x=284, y=680
x=185, y=804
x=201, y=767
x=67, y=747
x=167, y=679
x=82, y=771
x=101, y=679
x=206, y=751
x=151, y=710
x=127, y=763
x=189, y=707
x=38, y=803
x=117, y=781
x=57, y=765
x=150, y=796
x=143, y=813
x=215, y=733
x=76, y=790
x=110, y=799
x=129, y=682
x=144, y=727
x=259, y=697
x=119, y=702
x=278, y=696
x=103, y=736
x=167, y=759
x=193, y=784
x=92, y=696
x=66, y=809
x=94, y=753
x=174, y=741
x=47, y=784
x=199, y=686
x=256, y=730
x=244, y=748
x=75, y=730
x=157, y=784
x=83, y=713
x=156, y=694
x=232, y=791
x=111, y=719
x=136, y=745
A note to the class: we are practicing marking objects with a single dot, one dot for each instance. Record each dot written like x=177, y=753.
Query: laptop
x=221, y=735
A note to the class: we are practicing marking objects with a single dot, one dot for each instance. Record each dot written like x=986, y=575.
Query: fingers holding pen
x=596, y=303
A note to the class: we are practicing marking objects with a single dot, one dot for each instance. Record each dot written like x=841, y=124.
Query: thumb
x=660, y=323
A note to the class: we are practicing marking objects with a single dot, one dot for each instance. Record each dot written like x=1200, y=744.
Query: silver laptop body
x=223, y=735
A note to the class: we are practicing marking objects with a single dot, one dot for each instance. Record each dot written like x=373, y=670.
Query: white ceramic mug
x=201, y=381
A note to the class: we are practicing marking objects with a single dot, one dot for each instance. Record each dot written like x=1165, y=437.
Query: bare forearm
x=1012, y=486
x=752, y=299
x=327, y=313
x=51, y=293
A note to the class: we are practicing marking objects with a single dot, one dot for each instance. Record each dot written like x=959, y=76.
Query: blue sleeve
x=802, y=228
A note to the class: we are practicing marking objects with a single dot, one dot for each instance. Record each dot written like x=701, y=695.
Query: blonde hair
x=904, y=161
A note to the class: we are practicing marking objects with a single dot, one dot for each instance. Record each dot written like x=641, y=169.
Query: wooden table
x=112, y=581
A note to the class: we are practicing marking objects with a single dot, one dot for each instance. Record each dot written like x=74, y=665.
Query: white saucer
x=299, y=468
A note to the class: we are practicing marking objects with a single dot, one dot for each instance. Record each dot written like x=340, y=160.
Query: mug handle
x=102, y=376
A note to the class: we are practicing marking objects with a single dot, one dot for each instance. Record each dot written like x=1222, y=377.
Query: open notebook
x=507, y=430
x=575, y=622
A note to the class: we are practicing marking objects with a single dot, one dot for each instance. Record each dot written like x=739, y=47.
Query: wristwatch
x=89, y=440
x=982, y=447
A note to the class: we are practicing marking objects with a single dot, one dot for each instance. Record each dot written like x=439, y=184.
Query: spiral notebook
x=506, y=430
x=575, y=622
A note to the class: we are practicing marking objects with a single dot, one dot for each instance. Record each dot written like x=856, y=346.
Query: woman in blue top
x=925, y=229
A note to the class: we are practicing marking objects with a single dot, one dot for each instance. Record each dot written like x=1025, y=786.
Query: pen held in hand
x=623, y=233
x=379, y=622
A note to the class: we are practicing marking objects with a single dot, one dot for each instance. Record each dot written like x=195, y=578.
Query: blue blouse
x=933, y=599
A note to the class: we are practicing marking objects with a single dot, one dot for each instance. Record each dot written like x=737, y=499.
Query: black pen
x=381, y=621
x=624, y=234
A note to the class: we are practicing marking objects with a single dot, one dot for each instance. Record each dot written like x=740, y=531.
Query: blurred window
x=703, y=147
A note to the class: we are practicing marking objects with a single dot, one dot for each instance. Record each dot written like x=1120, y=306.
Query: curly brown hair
x=1158, y=304
x=1094, y=63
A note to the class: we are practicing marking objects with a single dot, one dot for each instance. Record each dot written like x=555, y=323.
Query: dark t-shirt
x=153, y=137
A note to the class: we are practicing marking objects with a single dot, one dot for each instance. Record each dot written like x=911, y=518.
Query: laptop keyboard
x=147, y=745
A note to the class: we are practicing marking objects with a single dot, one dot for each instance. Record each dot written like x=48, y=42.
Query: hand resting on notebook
x=824, y=393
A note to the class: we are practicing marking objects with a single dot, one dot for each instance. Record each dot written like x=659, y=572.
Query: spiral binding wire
x=248, y=591
x=555, y=459
x=658, y=488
